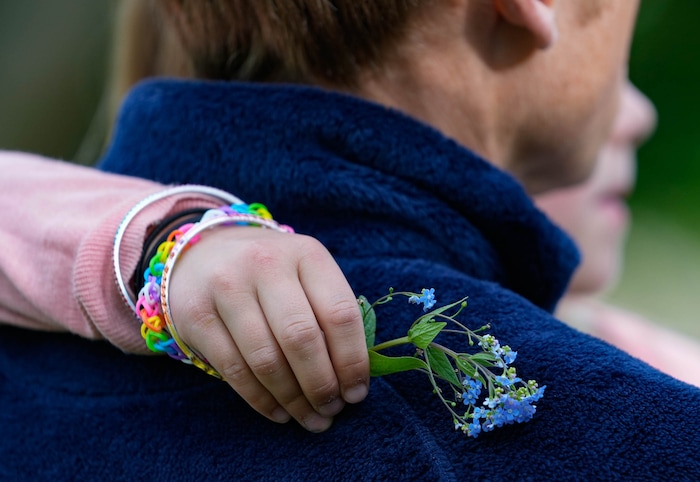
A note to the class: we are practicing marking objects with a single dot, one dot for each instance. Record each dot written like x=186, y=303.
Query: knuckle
x=299, y=335
x=311, y=246
x=251, y=258
x=265, y=361
x=193, y=322
x=236, y=373
x=344, y=314
x=222, y=280
x=355, y=367
x=201, y=320
x=322, y=392
x=313, y=253
x=264, y=257
x=269, y=252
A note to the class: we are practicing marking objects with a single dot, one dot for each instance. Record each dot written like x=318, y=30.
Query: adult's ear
x=537, y=16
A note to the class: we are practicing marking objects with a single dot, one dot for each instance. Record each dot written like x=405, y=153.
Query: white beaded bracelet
x=218, y=194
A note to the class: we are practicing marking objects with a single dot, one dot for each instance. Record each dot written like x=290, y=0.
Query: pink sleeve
x=662, y=348
x=58, y=222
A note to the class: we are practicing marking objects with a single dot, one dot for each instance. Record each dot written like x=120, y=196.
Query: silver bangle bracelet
x=218, y=194
x=186, y=239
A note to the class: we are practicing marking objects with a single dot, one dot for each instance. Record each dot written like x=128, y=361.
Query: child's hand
x=274, y=315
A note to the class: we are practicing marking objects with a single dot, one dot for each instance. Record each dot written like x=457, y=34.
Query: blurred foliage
x=664, y=64
x=53, y=61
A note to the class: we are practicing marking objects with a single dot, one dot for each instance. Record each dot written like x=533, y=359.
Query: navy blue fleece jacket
x=398, y=205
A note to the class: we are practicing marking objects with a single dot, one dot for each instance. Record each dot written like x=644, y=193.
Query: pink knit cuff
x=95, y=282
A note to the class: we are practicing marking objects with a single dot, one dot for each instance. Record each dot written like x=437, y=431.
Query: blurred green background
x=662, y=275
x=54, y=59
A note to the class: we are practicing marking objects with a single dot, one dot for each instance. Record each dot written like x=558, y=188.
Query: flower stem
x=388, y=344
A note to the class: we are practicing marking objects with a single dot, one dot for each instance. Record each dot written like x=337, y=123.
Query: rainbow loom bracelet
x=215, y=193
x=152, y=307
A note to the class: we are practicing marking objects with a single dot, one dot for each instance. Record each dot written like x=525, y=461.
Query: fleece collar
x=321, y=160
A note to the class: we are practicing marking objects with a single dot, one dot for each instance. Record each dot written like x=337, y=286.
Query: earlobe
x=537, y=16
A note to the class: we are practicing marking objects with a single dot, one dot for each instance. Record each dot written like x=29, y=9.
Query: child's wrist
x=159, y=234
x=216, y=197
x=153, y=306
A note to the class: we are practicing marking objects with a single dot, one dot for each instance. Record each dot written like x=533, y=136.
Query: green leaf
x=423, y=334
x=484, y=359
x=369, y=319
x=384, y=365
x=440, y=365
x=467, y=368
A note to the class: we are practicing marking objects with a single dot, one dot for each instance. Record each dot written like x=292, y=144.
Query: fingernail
x=316, y=423
x=356, y=393
x=332, y=407
x=280, y=415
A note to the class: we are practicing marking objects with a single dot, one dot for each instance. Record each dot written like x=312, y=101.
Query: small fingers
x=222, y=353
x=300, y=338
x=335, y=307
x=268, y=363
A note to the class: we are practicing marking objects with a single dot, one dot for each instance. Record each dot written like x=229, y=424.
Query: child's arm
x=284, y=300
x=57, y=235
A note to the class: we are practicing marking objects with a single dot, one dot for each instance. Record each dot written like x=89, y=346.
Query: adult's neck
x=458, y=82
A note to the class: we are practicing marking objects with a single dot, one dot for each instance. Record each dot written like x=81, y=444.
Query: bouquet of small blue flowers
x=483, y=381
